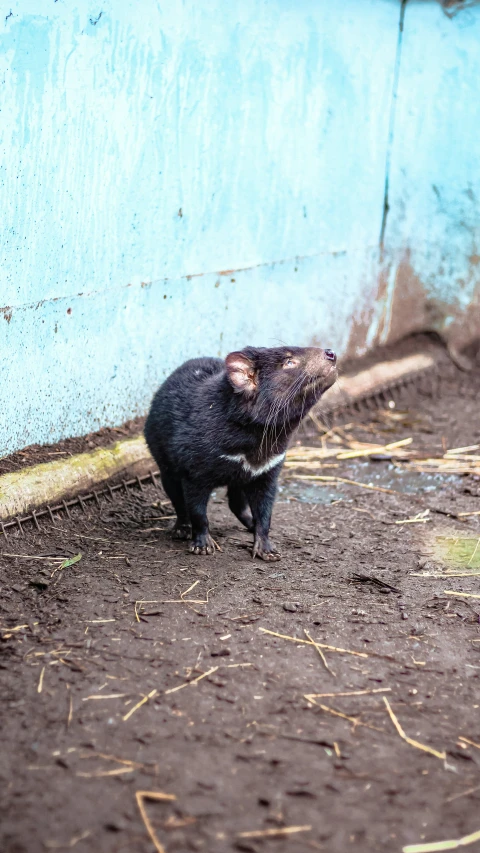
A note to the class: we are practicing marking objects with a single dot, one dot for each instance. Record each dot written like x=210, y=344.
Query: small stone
x=291, y=606
x=39, y=583
x=115, y=825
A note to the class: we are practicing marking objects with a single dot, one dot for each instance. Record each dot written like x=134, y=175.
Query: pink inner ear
x=241, y=371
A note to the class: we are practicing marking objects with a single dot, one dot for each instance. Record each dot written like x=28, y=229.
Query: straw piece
x=104, y=696
x=194, y=681
x=61, y=845
x=460, y=594
x=447, y=574
x=419, y=518
x=438, y=846
x=97, y=774
x=349, y=693
x=311, y=643
x=378, y=448
x=470, y=742
x=140, y=796
x=348, y=482
x=324, y=660
x=415, y=743
x=273, y=833
x=70, y=708
x=139, y=704
x=98, y=621
x=354, y=720
x=40, y=681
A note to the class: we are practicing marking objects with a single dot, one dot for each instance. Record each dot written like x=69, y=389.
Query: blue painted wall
x=184, y=178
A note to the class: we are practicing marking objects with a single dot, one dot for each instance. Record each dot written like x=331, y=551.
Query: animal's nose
x=330, y=355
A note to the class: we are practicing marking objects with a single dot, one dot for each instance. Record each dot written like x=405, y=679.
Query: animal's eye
x=290, y=362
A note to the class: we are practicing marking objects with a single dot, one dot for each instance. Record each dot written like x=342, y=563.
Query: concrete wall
x=186, y=178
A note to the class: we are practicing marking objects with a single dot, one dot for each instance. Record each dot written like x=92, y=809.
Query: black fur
x=247, y=405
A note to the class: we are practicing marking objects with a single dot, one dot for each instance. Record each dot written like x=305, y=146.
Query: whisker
x=284, y=406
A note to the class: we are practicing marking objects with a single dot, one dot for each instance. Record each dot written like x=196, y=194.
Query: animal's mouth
x=324, y=382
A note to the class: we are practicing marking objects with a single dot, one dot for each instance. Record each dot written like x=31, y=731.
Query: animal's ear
x=241, y=373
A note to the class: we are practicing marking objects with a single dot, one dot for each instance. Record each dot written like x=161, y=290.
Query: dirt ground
x=142, y=668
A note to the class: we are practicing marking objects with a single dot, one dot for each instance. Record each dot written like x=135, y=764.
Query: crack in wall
x=294, y=259
x=391, y=127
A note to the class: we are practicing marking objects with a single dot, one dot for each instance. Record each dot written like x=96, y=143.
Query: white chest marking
x=254, y=470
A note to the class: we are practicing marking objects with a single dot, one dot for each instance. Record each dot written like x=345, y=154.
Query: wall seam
x=391, y=127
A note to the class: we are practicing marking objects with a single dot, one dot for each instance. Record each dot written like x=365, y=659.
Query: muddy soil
x=142, y=668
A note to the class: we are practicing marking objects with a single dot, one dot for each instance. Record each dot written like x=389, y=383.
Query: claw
x=182, y=531
x=271, y=556
x=202, y=548
x=265, y=551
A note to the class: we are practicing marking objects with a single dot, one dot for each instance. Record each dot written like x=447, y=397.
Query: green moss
x=459, y=551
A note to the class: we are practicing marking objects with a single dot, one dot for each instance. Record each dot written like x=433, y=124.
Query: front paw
x=202, y=544
x=181, y=531
x=264, y=549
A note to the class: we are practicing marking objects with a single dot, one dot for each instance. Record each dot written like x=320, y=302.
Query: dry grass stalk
x=181, y=600
x=469, y=449
x=378, y=448
x=40, y=681
x=350, y=693
x=334, y=480
x=140, y=797
x=104, y=696
x=70, y=707
x=470, y=742
x=440, y=846
x=139, y=704
x=463, y=794
x=460, y=594
x=193, y=681
x=106, y=757
x=446, y=574
x=319, y=650
x=415, y=743
x=274, y=833
x=420, y=518
x=354, y=720
x=98, y=621
x=310, y=643
x=460, y=461
x=61, y=845
x=98, y=774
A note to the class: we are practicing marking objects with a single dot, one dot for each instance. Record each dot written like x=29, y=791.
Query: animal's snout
x=330, y=355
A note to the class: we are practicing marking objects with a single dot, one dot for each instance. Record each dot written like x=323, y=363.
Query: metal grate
x=79, y=500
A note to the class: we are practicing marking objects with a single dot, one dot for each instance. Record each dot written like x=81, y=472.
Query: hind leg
x=237, y=501
x=182, y=528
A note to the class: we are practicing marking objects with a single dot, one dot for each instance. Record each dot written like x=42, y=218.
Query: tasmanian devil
x=227, y=423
